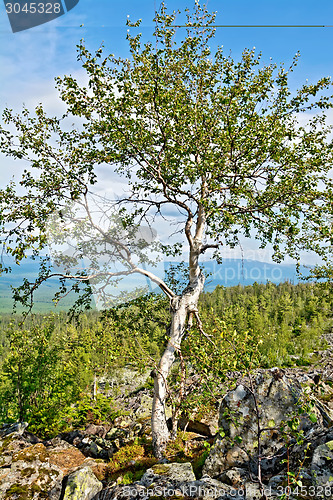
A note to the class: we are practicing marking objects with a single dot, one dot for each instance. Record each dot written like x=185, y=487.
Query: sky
x=31, y=59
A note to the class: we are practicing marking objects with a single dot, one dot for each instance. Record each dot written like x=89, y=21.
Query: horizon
x=231, y=273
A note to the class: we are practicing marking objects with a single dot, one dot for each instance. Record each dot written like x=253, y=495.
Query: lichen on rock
x=82, y=485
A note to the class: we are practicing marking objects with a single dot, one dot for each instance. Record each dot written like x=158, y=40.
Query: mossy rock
x=161, y=469
x=179, y=472
x=32, y=453
x=82, y=484
x=5, y=442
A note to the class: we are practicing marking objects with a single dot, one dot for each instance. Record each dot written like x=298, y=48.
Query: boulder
x=235, y=477
x=174, y=472
x=96, y=430
x=116, y=433
x=322, y=468
x=268, y=400
x=82, y=485
x=252, y=491
x=31, y=475
x=17, y=428
x=95, y=450
x=9, y=445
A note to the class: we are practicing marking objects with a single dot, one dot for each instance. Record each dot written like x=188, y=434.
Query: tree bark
x=180, y=307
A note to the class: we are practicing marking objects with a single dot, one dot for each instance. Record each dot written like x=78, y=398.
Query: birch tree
x=216, y=139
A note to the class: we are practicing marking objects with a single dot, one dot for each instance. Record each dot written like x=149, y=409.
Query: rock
x=174, y=472
x=252, y=491
x=120, y=492
x=145, y=408
x=9, y=445
x=277, y=397
x=173, y=481
x=123, y=421
x=97, y=451
x=17, y=428
x=35, y=471
x=31, y=438
x=322, y=467
x=82, y=485
x=31, y=479
x=58, y=443
x=235, y=477
x=312, y=440
x=209, y=488
x=280, y=481
x=124, y=380
x=66, y=459
x=276, y=481
x=73, y=435
x=135, y=430
x=96, y=430
x=206, y=425
x=94, y=449
x=77, y=442
x=115, y=433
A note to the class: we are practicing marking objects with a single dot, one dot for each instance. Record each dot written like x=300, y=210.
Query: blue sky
x=30, y=59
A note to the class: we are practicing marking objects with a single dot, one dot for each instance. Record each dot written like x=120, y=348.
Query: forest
x=50, y=366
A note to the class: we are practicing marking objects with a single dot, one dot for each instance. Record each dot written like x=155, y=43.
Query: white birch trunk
x=181, y=306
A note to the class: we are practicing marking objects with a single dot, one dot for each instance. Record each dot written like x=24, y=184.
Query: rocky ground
x=244, y=451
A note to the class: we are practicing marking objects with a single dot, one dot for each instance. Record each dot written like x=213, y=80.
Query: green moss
x=130, y=463
x=132, y=470
x=32, y=453
x=126, y=454
x=198, y=463
x=5, y=443
x=28, y=471
x=161, y=469
x=128, y=478
x=44, y=476
x=35, y=488
x=18, y=489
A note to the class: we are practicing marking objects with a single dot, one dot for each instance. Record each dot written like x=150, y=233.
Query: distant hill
x=230, y=273
x=233, y=272
x=43, y=296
